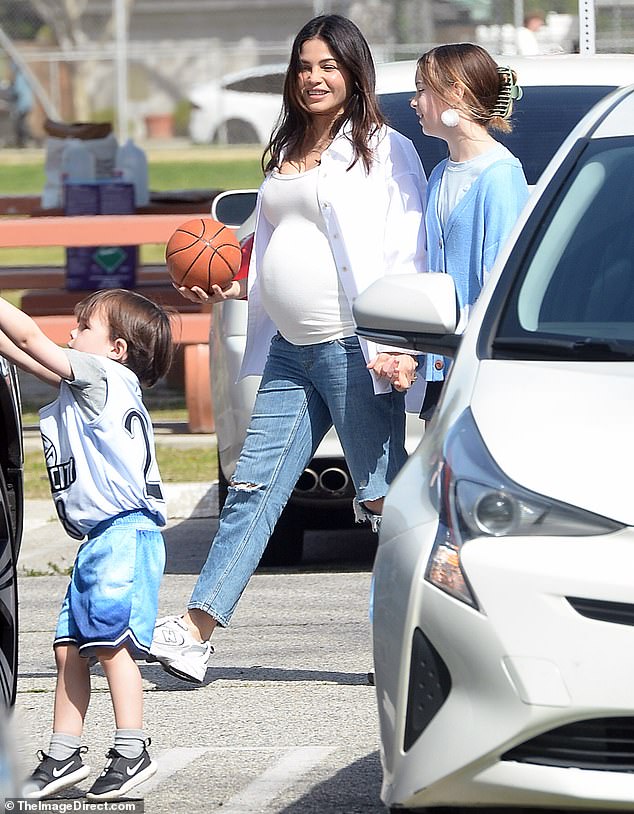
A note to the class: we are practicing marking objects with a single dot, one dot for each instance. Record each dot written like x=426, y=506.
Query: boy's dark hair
x=143, y=324
x=351, y=50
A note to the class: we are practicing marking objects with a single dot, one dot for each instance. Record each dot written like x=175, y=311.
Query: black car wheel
x=8, y=606
x=440, y=810
x=223, y=485
x=235, y=131
x=286, y=545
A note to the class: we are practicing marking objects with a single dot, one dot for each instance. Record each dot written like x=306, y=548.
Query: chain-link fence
x=76, y=54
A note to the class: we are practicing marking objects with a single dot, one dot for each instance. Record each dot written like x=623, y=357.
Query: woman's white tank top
x=299, y=283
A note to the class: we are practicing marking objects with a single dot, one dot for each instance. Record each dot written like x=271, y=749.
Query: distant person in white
x=101, y=464
x=527, y=41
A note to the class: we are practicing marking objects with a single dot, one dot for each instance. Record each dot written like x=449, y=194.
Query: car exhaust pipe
x=308, y=481
x=334, y=480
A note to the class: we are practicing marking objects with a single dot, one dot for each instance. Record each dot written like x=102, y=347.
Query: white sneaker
x=178, y=652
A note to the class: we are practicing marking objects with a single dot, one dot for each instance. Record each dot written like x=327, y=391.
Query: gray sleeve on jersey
x=89, y=381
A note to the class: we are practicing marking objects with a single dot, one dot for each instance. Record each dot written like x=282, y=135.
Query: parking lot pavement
x=47, y=549
x=285, y=720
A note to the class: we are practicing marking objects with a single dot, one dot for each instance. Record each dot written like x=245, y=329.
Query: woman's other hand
x=398, y=368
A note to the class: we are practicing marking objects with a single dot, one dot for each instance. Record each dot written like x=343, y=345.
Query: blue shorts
x=112, y=599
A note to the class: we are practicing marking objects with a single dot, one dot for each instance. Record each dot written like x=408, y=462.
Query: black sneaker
x=121, y=774
x=54, y=775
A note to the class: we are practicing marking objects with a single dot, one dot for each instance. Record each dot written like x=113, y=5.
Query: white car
x=546, y=115
x=504, y=603
x=240, y=108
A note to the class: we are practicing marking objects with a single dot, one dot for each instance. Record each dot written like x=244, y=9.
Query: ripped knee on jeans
x=240, y=486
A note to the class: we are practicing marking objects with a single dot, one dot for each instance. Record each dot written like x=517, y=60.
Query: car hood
x=562, y=429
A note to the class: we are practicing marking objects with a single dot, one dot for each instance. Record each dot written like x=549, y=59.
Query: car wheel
x=437, y=810
x=8, y=606
x=286, y=546
x=236, y=131
x=223, y=485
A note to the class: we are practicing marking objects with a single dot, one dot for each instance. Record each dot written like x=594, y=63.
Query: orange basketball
x=203, y=252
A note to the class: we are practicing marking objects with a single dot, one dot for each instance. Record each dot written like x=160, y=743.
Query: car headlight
x=476, y=499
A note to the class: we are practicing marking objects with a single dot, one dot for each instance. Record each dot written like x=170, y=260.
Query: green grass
x=190, y=465
x=192, y=168
x=220, y=174
x=28, y=179
x=168, y=169
x=166, y=410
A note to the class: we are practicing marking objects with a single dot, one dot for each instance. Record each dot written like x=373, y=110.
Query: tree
x=66, y=20
x=19, y=22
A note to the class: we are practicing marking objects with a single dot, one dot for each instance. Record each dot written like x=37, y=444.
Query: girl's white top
x=300, y=285
x=459, y=176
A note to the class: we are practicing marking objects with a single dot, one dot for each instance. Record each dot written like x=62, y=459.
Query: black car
x=11, y=524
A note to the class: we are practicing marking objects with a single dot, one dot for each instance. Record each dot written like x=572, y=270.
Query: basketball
x=203, y=252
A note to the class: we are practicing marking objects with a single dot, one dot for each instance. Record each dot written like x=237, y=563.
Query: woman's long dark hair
x=351, y=50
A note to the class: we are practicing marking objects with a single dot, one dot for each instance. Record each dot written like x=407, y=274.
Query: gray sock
x=129, y=742
x=62, y=745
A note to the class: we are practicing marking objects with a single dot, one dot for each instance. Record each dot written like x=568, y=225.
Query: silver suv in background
x=558, y=91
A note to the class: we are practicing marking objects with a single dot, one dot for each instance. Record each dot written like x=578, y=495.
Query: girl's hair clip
x=509, y=92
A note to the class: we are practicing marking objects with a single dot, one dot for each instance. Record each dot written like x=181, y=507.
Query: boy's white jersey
x=99, y=446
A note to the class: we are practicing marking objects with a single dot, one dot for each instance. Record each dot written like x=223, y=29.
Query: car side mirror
x=234, y=206
x=414, y=311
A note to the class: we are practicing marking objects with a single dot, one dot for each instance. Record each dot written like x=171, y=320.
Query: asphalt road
x=285, y=720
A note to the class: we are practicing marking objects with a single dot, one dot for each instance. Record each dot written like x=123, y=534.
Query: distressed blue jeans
x=305, y=389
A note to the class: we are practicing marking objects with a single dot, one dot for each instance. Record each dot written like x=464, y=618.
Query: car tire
x=286, y=546
x=437, y=810
x=223, y=485
x=236, y=131
x=8, y=605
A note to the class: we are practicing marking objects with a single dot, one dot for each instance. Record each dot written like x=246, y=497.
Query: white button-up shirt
x=375, y=226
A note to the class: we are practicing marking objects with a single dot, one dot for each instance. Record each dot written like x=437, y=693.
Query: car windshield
x=272, y=83
x=574, y=296
x=541, y=121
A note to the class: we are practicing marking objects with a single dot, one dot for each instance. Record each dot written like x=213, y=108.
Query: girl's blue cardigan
x=473, y=235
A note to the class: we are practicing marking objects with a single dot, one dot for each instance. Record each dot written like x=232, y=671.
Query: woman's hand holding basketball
x=217, y=294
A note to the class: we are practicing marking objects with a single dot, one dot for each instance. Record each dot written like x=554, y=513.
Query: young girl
x=476, y=194
x=99, y=449
x=341, y=206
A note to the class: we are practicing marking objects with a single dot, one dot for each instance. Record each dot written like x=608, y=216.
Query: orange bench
x=52, y=307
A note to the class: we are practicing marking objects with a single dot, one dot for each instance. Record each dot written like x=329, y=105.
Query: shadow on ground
x=348, y=790
x=188, y=543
